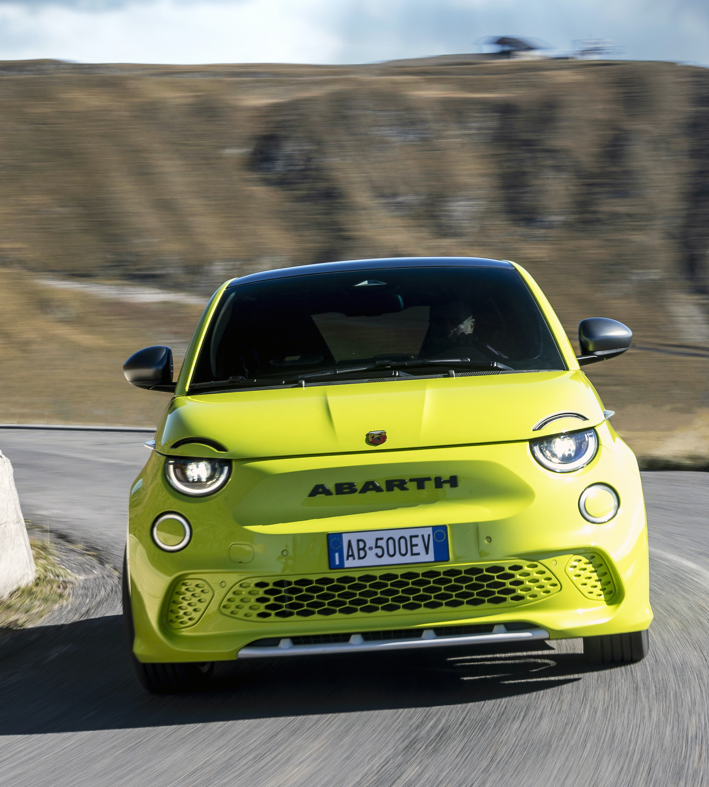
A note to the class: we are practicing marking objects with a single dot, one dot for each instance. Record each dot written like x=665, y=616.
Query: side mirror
x=150, y=368
x=601, y=338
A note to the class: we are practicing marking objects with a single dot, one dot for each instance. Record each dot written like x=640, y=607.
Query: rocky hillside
x=593, y=175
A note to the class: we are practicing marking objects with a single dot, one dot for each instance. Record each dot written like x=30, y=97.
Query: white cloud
x=337, y=31
x=166, y=31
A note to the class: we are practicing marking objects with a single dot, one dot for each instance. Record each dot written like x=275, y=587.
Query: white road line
x=683, y=562
x=87, y=457
x=79, y=428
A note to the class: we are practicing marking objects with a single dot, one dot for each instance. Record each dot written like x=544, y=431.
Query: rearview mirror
x=601, y=338
x=150, y=368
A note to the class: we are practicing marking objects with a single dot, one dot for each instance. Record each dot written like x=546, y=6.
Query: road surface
x=71, y=713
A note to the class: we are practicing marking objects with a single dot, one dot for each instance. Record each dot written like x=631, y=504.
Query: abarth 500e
x=382, y=454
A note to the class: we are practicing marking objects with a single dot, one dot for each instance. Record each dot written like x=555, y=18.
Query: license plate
x=388, y=547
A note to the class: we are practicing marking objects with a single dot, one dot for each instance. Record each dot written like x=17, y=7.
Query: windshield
x=410, y=318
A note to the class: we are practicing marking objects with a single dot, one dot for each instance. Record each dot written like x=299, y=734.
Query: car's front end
x=399, y=505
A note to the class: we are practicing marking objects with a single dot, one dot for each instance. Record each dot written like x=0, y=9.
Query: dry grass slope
x=590, y=174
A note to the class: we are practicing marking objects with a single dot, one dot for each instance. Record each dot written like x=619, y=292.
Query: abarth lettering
x=370, y=486
x=392, y=485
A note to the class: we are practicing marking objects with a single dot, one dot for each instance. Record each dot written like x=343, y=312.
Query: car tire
x=617, y=648
x=161, y=678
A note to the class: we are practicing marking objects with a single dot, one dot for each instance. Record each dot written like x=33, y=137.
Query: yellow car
x=378, y=455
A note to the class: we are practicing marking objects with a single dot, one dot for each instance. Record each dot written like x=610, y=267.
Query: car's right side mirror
x=601, y=338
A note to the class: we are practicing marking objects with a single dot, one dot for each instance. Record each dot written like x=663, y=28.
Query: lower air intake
x=507, y=583
x=188, y=602
x=591, y=576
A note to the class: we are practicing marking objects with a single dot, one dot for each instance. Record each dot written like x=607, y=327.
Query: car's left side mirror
x=601, y=338
x=151, y=368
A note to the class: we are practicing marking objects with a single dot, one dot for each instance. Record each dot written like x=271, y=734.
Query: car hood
x=335, y=419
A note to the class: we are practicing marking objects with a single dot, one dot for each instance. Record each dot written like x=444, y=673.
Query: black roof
x=376, y=264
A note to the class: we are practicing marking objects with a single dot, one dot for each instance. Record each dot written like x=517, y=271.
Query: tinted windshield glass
x=306, y=324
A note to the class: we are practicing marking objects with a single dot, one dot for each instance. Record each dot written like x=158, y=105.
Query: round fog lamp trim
x=590, y=492
x=187, y=532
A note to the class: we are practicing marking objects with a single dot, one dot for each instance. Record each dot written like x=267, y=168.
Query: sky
x=340, y=31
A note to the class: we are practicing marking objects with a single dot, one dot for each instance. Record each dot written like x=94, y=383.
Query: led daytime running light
x=565, y=452
x=197, y=477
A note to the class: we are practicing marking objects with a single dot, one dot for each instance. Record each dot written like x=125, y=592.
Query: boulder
x=16, y=562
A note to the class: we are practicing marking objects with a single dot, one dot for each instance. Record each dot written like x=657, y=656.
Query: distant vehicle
x=382, y=455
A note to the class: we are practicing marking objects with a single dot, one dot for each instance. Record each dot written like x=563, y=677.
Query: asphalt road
x=71, y=713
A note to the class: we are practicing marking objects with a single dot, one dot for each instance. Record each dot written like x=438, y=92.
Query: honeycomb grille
x=508, y=583
x=189, y=600
x=591, y=576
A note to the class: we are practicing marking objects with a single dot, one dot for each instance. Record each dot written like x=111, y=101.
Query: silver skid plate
x=357, y=643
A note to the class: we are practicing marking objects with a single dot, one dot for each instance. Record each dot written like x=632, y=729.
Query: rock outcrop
x=17, y=567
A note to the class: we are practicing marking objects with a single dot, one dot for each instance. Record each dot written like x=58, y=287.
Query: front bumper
x=513, y=523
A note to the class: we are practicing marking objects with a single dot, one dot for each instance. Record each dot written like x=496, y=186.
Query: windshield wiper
x=243, y=382
x=239, y=381
x=333, y=372
x=384, y=365
x=466, y=362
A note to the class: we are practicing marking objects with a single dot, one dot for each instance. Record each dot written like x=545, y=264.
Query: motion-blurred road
x=72, y=714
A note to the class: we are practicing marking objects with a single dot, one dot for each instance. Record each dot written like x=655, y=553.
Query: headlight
x=565, y=453
x=197, y=477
